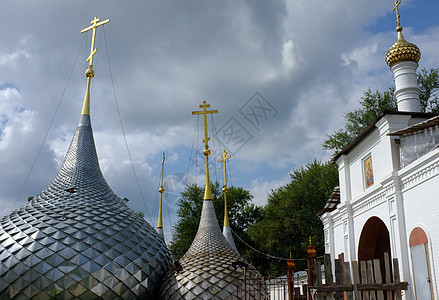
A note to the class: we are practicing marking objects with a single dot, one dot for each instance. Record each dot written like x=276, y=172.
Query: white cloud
x=311, y=60
x=260, y=189
x=289, y=57
x=9, y=58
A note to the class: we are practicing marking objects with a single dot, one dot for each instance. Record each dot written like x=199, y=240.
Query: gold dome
x=402, y=51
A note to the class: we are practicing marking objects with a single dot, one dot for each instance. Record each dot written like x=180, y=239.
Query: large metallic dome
x=77, y=239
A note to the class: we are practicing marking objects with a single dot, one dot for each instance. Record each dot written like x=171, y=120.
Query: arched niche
x=418, y=242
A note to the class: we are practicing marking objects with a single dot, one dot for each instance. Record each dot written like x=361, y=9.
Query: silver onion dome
x=211, y=269
x=77, y=239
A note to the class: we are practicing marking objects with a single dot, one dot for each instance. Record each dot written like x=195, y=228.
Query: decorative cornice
x=423, y=174
x=361, y=206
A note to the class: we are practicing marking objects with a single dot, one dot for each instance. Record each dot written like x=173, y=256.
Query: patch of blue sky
x=177, y=161
x=3, y=121
x=419, y=15
x=8, y=85
x=266, y=173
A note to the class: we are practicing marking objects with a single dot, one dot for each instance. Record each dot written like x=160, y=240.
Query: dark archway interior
x=374, y=242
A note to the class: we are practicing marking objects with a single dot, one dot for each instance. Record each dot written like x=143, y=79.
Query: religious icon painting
x=368, y=171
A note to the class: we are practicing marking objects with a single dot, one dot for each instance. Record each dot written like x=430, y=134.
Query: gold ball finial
x=90, y=73
x=206, y=152
x=161, y=190
x=225, y=189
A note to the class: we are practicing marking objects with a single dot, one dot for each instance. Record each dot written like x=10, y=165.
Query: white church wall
x=344, y=180
x=383, y=150
x=377, y=146
x=420, y=182
x=384, y=153
x=328, y=228
x=339, y=235
x=336, y=229
x=356, y=159
x=399, y=211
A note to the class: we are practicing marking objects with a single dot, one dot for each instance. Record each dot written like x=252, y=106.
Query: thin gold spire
x=90, y=73
x=395, y=8
x=161, y=190
x=398, y=24
x=225, y=190
x=206, y=151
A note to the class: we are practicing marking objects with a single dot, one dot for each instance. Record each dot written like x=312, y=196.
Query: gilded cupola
x=401, y=50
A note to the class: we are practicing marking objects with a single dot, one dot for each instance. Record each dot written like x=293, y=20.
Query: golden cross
x=226, y=214
x=94, y=24
x=395, y=8
x=225, y=157
x=205, y=112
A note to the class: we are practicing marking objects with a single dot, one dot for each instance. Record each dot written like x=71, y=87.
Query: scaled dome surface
x=84, y=243
x=210, y=268
x=402, y=51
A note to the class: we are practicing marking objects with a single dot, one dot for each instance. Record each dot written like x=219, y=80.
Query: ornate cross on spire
x=205, y=112
x=206, y=151
x=225, y=157
x=94, y=24
x=90, y=73
x=226, y=217
x=395, y=8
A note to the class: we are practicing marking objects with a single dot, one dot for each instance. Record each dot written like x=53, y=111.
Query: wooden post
x=356, y=276
x=378, y=277
x=388, y=272
x=348, y=280
x=364, y=278
x=328, y=275
x=290, y=278
x=311, y=263
x=370, y=279
x=319, y=279
x=396, y=277
x=339, y=278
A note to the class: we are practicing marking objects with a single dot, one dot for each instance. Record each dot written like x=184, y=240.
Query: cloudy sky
x=281, y=74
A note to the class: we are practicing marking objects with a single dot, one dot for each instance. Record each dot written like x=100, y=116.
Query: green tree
x=242, y=214
x=290, y=216
x=372, y=104
x=428, y=81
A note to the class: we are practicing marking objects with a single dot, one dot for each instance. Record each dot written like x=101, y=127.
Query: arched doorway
x=418, y=243
x=374, y=242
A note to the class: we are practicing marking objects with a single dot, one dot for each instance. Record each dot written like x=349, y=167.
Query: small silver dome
x=209, y=269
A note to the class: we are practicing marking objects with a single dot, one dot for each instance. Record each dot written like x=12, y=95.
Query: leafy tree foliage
x=374, y=103
x=289, y=218
x=242, y=214
x=428, y=81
